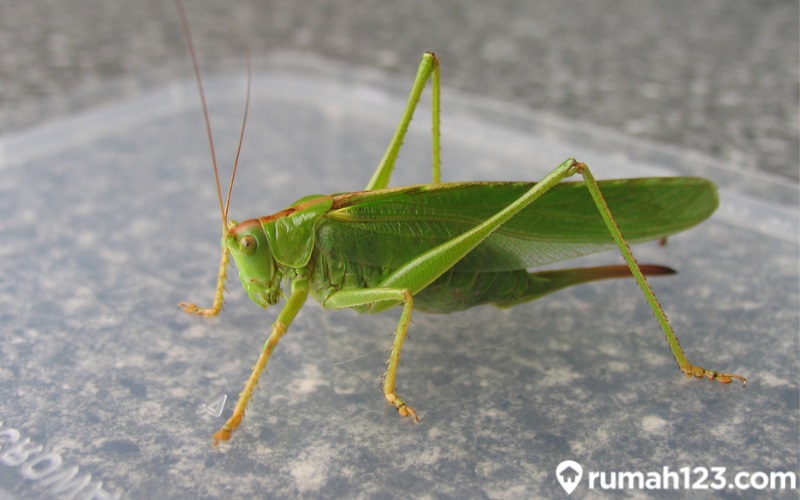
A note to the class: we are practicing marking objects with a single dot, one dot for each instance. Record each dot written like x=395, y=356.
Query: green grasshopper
x=444, y=247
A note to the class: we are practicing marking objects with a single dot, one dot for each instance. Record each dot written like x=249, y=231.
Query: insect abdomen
x=455, y=291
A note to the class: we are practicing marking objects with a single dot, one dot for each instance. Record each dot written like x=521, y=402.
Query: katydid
x=444, y=247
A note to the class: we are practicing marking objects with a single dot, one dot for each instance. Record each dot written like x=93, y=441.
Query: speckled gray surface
x=114, y=222
x=718, y=76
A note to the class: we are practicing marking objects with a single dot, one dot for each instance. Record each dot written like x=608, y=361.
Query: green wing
x=388, y=227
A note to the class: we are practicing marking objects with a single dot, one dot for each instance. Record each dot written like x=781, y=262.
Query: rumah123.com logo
x=569, y=474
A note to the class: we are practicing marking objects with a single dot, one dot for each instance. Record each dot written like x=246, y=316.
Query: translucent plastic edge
x=757, y=201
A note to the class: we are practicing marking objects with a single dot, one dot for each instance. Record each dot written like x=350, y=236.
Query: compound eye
x=248, y=244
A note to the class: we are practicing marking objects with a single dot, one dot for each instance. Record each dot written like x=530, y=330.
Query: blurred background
x=716, y=77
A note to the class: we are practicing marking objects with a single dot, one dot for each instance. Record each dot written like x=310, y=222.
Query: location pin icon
x=569, y=474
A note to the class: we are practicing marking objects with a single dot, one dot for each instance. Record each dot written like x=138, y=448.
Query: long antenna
x=187, y=34
x=244, y=124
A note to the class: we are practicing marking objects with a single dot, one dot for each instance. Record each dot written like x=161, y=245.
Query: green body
x=446, y=247
x=357, y=240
